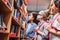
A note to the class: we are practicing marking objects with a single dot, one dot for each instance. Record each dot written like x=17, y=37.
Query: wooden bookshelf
x=15, y=21
x=4, y=7
x=7, y=12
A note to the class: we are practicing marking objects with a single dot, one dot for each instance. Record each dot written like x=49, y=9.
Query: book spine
x=15, y=12
x=18, y=2
x=17, y=15
x=1, y=20
x=12, y=29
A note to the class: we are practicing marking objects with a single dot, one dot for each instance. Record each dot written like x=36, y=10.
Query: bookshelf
x=9, y=20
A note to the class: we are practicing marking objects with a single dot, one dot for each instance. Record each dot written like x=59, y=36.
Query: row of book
x=9, y=2
x=18, y=2
x=2, y=24
x=13, y=30
x=16, y=14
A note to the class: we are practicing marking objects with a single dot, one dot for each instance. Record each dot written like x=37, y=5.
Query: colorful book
x=13, y=29
x=2, y=24
x=16, y=14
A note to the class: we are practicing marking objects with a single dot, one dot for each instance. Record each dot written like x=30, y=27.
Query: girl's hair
x=57, y=4
x=45, y=14
x=34, y=16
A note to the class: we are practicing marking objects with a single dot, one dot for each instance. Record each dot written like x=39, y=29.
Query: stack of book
x=16, y=14
x=2, y=24
x=13, y=31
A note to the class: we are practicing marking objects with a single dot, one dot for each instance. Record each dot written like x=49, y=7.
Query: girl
x=30, y=26
x=54, y=27
x=39, y=30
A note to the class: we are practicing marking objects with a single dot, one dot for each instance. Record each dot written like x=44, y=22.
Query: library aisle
x=29, y=19
x=14, y=17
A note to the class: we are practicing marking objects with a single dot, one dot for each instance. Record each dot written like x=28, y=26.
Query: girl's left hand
x=48, y=27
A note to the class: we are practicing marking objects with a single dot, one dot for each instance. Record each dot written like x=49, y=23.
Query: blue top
x=29, y=29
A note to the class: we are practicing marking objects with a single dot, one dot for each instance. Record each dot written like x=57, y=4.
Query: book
x=13, y=29
x=16, y=14
x=18, y=3
x=1, y=20
x=2, y=24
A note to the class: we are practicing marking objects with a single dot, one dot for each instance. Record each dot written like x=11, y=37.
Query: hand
x=48, y=27
x=35, y=29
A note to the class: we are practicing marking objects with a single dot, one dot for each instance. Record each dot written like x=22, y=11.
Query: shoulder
x=35, y=24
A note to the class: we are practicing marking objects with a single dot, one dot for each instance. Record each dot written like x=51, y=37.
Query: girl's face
x=53, y=9
x=39, y=17
x=31, y=18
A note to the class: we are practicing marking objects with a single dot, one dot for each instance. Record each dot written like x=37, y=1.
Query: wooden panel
x=4, y=7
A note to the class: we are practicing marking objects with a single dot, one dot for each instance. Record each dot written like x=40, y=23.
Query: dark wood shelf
x=3, y=32
x=4, y=7
x=14, y=21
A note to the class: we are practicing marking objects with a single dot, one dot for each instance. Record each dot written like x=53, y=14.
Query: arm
x=52, y=31
x=39, y=32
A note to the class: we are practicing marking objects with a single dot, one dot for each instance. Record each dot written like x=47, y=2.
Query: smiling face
x=53, y=9
x=57, y=4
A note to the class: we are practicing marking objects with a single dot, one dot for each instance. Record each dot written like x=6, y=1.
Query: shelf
x=3, y=32
x=15, y=21
x=4, y=7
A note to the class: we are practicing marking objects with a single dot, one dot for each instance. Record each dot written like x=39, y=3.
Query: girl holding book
x=40, y=32
x=54, y=27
